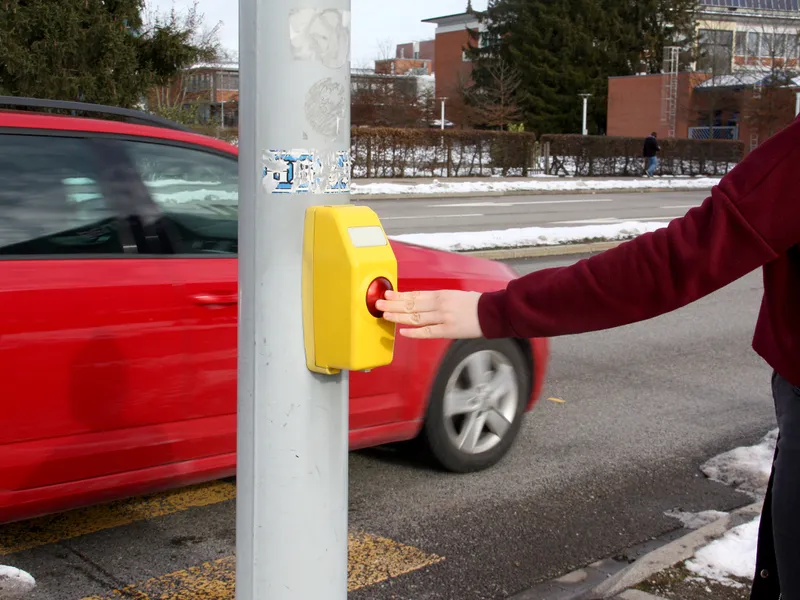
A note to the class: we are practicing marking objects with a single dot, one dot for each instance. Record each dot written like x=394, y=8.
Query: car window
x=50, y=200
x=197, y=192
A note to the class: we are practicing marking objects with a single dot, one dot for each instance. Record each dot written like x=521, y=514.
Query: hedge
x=386, y=152
x=378, y=152
x=578, y=155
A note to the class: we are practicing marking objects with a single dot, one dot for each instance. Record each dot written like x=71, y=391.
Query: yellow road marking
x=26, y=535
x=559, y=400
x=372, y=560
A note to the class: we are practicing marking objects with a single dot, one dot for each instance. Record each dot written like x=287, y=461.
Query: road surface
x=640, y=409
x=504, y=212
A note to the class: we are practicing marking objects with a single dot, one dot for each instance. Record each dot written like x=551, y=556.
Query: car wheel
x=477, y=404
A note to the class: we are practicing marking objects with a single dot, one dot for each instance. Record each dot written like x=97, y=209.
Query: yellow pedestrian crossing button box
x=348, y=265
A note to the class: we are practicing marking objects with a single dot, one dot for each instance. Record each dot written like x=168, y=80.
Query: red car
x=118, y=245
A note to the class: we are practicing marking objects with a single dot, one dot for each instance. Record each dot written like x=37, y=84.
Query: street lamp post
x=444, y=99
x=584, y=129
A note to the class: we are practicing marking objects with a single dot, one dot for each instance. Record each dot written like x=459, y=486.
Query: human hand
x=446, y=314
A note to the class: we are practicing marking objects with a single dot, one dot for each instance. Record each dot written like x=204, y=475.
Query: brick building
x=212, y=88
x=390, y=100
x=742, y=86
x=417, y=50
x=403, y=66
x=451, y=66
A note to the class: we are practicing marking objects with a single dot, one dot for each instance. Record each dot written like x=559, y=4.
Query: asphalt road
x=643, y=407
x=503, y=212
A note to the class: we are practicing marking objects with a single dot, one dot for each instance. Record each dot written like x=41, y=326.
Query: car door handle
x=211, y=299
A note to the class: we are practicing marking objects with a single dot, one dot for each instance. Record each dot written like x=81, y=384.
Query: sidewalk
x=426, y=188
x=714, y=560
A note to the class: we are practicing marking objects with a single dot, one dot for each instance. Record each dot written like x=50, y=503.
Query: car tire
x=477, y=404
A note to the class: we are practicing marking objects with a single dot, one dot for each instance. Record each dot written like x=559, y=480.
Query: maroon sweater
x=751, y=220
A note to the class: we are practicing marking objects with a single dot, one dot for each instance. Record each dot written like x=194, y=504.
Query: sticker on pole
x=320, y=34
x=306, y=172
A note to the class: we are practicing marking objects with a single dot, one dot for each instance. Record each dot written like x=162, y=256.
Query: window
x=741, y=43
x=51, y=202
x=753, y=43
x=228, y=81
x=197, y=192
x=716, y=51
x=767, y=44
x=199, y=82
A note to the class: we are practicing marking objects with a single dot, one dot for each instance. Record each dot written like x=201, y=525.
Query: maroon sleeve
x=751, y=217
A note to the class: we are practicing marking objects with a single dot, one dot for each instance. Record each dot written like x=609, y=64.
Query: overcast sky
x=374, y=21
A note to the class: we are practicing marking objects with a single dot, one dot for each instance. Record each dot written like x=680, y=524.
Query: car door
x=91, y=336
x=194, y=193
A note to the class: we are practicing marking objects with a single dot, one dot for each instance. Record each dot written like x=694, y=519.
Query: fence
x=714, y=133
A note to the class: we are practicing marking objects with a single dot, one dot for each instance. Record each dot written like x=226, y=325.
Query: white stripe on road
x=587, y=221
x=520, y=203
x=613, y=220
x=678, y=206
x=466, y=216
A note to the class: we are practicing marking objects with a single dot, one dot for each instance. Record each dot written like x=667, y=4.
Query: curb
x=543, y=251
x=671, y=554
x=448, y=195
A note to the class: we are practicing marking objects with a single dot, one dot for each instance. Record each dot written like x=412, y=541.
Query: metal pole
x=797, y=104
x=443, y=99
x=291, y=509
x=584, y=129
x=585, y=103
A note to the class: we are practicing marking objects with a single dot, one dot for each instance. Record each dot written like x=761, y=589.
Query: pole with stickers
x=311, y=267
x=294, y=141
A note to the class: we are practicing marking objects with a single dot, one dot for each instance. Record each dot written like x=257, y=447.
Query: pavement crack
x=111, y=580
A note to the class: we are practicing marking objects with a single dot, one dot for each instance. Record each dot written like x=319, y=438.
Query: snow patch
x=527, y=236
x=746, y=468
x=548, y=184
x=15, y=583
x=696, y=520
x=733, y=555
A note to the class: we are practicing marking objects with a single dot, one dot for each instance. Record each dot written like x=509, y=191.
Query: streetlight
x=443, y=99
x=585, y=103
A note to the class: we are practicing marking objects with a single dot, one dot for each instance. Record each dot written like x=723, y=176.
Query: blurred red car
x=118, y=245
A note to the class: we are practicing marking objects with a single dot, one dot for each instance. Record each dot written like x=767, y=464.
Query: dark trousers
x=777, y=574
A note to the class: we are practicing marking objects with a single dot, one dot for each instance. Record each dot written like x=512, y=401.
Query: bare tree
x=773, y=52
x=495, y=102
x=386, y=49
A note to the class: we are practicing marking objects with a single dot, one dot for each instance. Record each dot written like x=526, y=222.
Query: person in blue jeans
x=651, y=150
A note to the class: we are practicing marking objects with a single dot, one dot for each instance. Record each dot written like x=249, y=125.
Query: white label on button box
x=367, y=237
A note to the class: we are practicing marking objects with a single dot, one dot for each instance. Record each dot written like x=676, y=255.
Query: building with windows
x=213, y=89
x=742, y=85
x=451, y=66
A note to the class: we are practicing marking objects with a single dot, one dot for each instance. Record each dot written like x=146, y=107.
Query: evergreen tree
x=562, y=48
x=98, y=51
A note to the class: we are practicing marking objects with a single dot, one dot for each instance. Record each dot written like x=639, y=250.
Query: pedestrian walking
x=751, y=220
x=651, y=150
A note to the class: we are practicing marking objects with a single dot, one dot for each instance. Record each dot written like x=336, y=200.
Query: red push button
x=377, y=291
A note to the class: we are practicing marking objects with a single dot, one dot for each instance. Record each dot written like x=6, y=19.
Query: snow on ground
x=527, y=236
x=734, y=555
x=14, y=583
x=696, y=520
x=746, y=468
x=538, y=184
